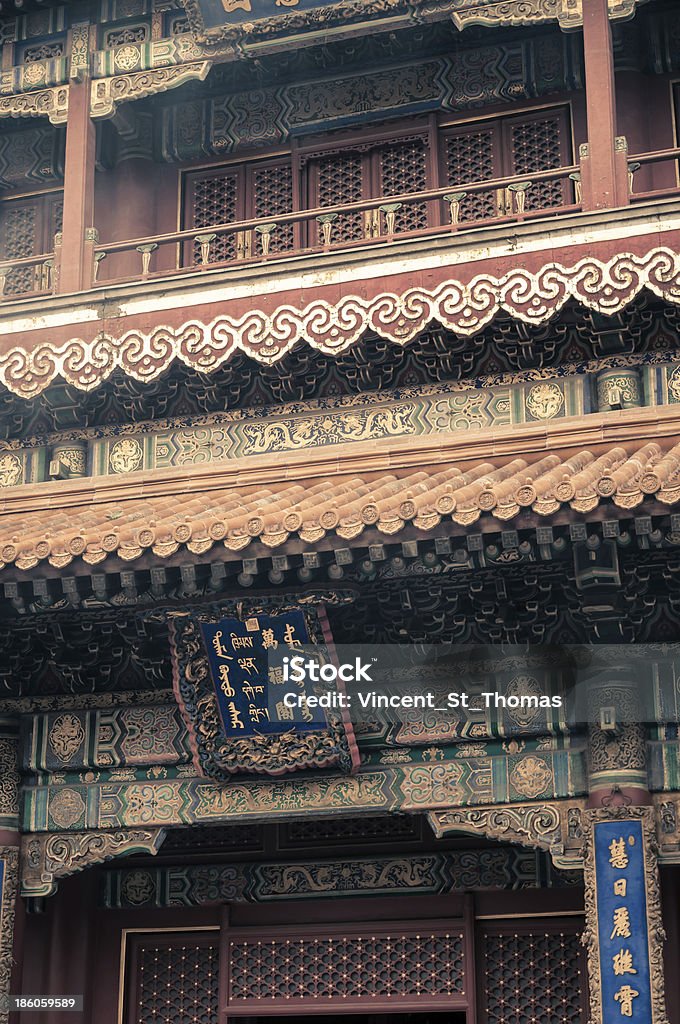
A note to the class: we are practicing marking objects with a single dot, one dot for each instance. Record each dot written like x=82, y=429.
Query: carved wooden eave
x=50, y=103
x=263, y=322
x=107, y=93
x=48, y=857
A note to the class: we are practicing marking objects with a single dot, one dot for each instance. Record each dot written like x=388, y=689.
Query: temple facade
x=346, y=326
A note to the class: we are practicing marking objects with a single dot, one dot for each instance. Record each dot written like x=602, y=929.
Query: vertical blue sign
x=622, y=922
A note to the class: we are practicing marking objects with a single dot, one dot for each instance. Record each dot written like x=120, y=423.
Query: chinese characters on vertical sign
x=622, y=922
x=246, y=664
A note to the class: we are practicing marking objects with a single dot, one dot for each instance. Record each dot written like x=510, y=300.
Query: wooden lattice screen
x=365, y=168
x=174, y=979
x=27, y=228
x=530, y=975
x=358, y=968
x=527, y=972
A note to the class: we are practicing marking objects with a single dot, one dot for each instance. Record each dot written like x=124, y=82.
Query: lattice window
x=27, y=228
x=215, y=201
x=350, y=968
x=538, y=145
x=126, y=35
x=43, y=51
x=470, y=158
x=227, y=837
x=403, y=170
x=175, y=984
x=19, y=229
x=532, y=978
x=351, y=829
x=340, y=180
x=272, y=190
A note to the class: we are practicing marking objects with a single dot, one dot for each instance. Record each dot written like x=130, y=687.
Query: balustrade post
x=604, y=170
x=78, y=235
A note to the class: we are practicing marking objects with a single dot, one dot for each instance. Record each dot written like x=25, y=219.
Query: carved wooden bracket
x=667, y=808
x=50, y=103
x=46, y=858
x=567, y=13
x=554, y=827
x=107, y=93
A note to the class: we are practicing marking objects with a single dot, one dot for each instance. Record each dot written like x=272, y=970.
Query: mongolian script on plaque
x=246, y=664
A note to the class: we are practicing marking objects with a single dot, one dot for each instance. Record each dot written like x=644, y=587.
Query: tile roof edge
x=631, y=428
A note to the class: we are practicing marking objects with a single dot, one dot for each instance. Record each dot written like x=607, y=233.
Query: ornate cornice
x=490, y=13
x=568, y=13
x=142, y=887
x=50, y=103
x=606, y=287
x=107, y=93
x=46, y=858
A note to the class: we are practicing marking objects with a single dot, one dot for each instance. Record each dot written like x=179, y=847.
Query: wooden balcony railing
x=315, y=230
x=515, y=199
x=29, y=275
x=660, y=156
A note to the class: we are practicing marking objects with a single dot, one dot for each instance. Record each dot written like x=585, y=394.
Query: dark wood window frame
x=378, y=162
x=28, y=224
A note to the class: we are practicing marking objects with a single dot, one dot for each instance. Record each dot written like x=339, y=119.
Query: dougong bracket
x=46, y=858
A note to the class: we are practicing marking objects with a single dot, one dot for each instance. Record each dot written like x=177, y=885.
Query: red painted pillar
x=604, y=170
x=76, y=256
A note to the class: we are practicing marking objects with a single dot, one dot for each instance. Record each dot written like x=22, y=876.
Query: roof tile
x=345, y=505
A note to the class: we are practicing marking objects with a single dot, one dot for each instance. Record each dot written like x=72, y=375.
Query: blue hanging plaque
x=623, y=932
x=245, y=660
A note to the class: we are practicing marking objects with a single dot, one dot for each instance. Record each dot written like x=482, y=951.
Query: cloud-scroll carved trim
x=333, y=327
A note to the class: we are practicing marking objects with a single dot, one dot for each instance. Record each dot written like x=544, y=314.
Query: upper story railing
x=515, y=200
x=320, y=229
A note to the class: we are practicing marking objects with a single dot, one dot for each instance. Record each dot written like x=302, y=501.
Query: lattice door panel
x=338, y=178
x=351, y=968
x=471, y=155
x=532, y=978
x=539, y=144
x=271, y=191
x=27, y=228
x=215, y=199
x=403, y=170
x=173, y=981
x=18, y=231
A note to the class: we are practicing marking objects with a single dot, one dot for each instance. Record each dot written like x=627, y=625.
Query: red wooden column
x=604, y=170
x=76, y=258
